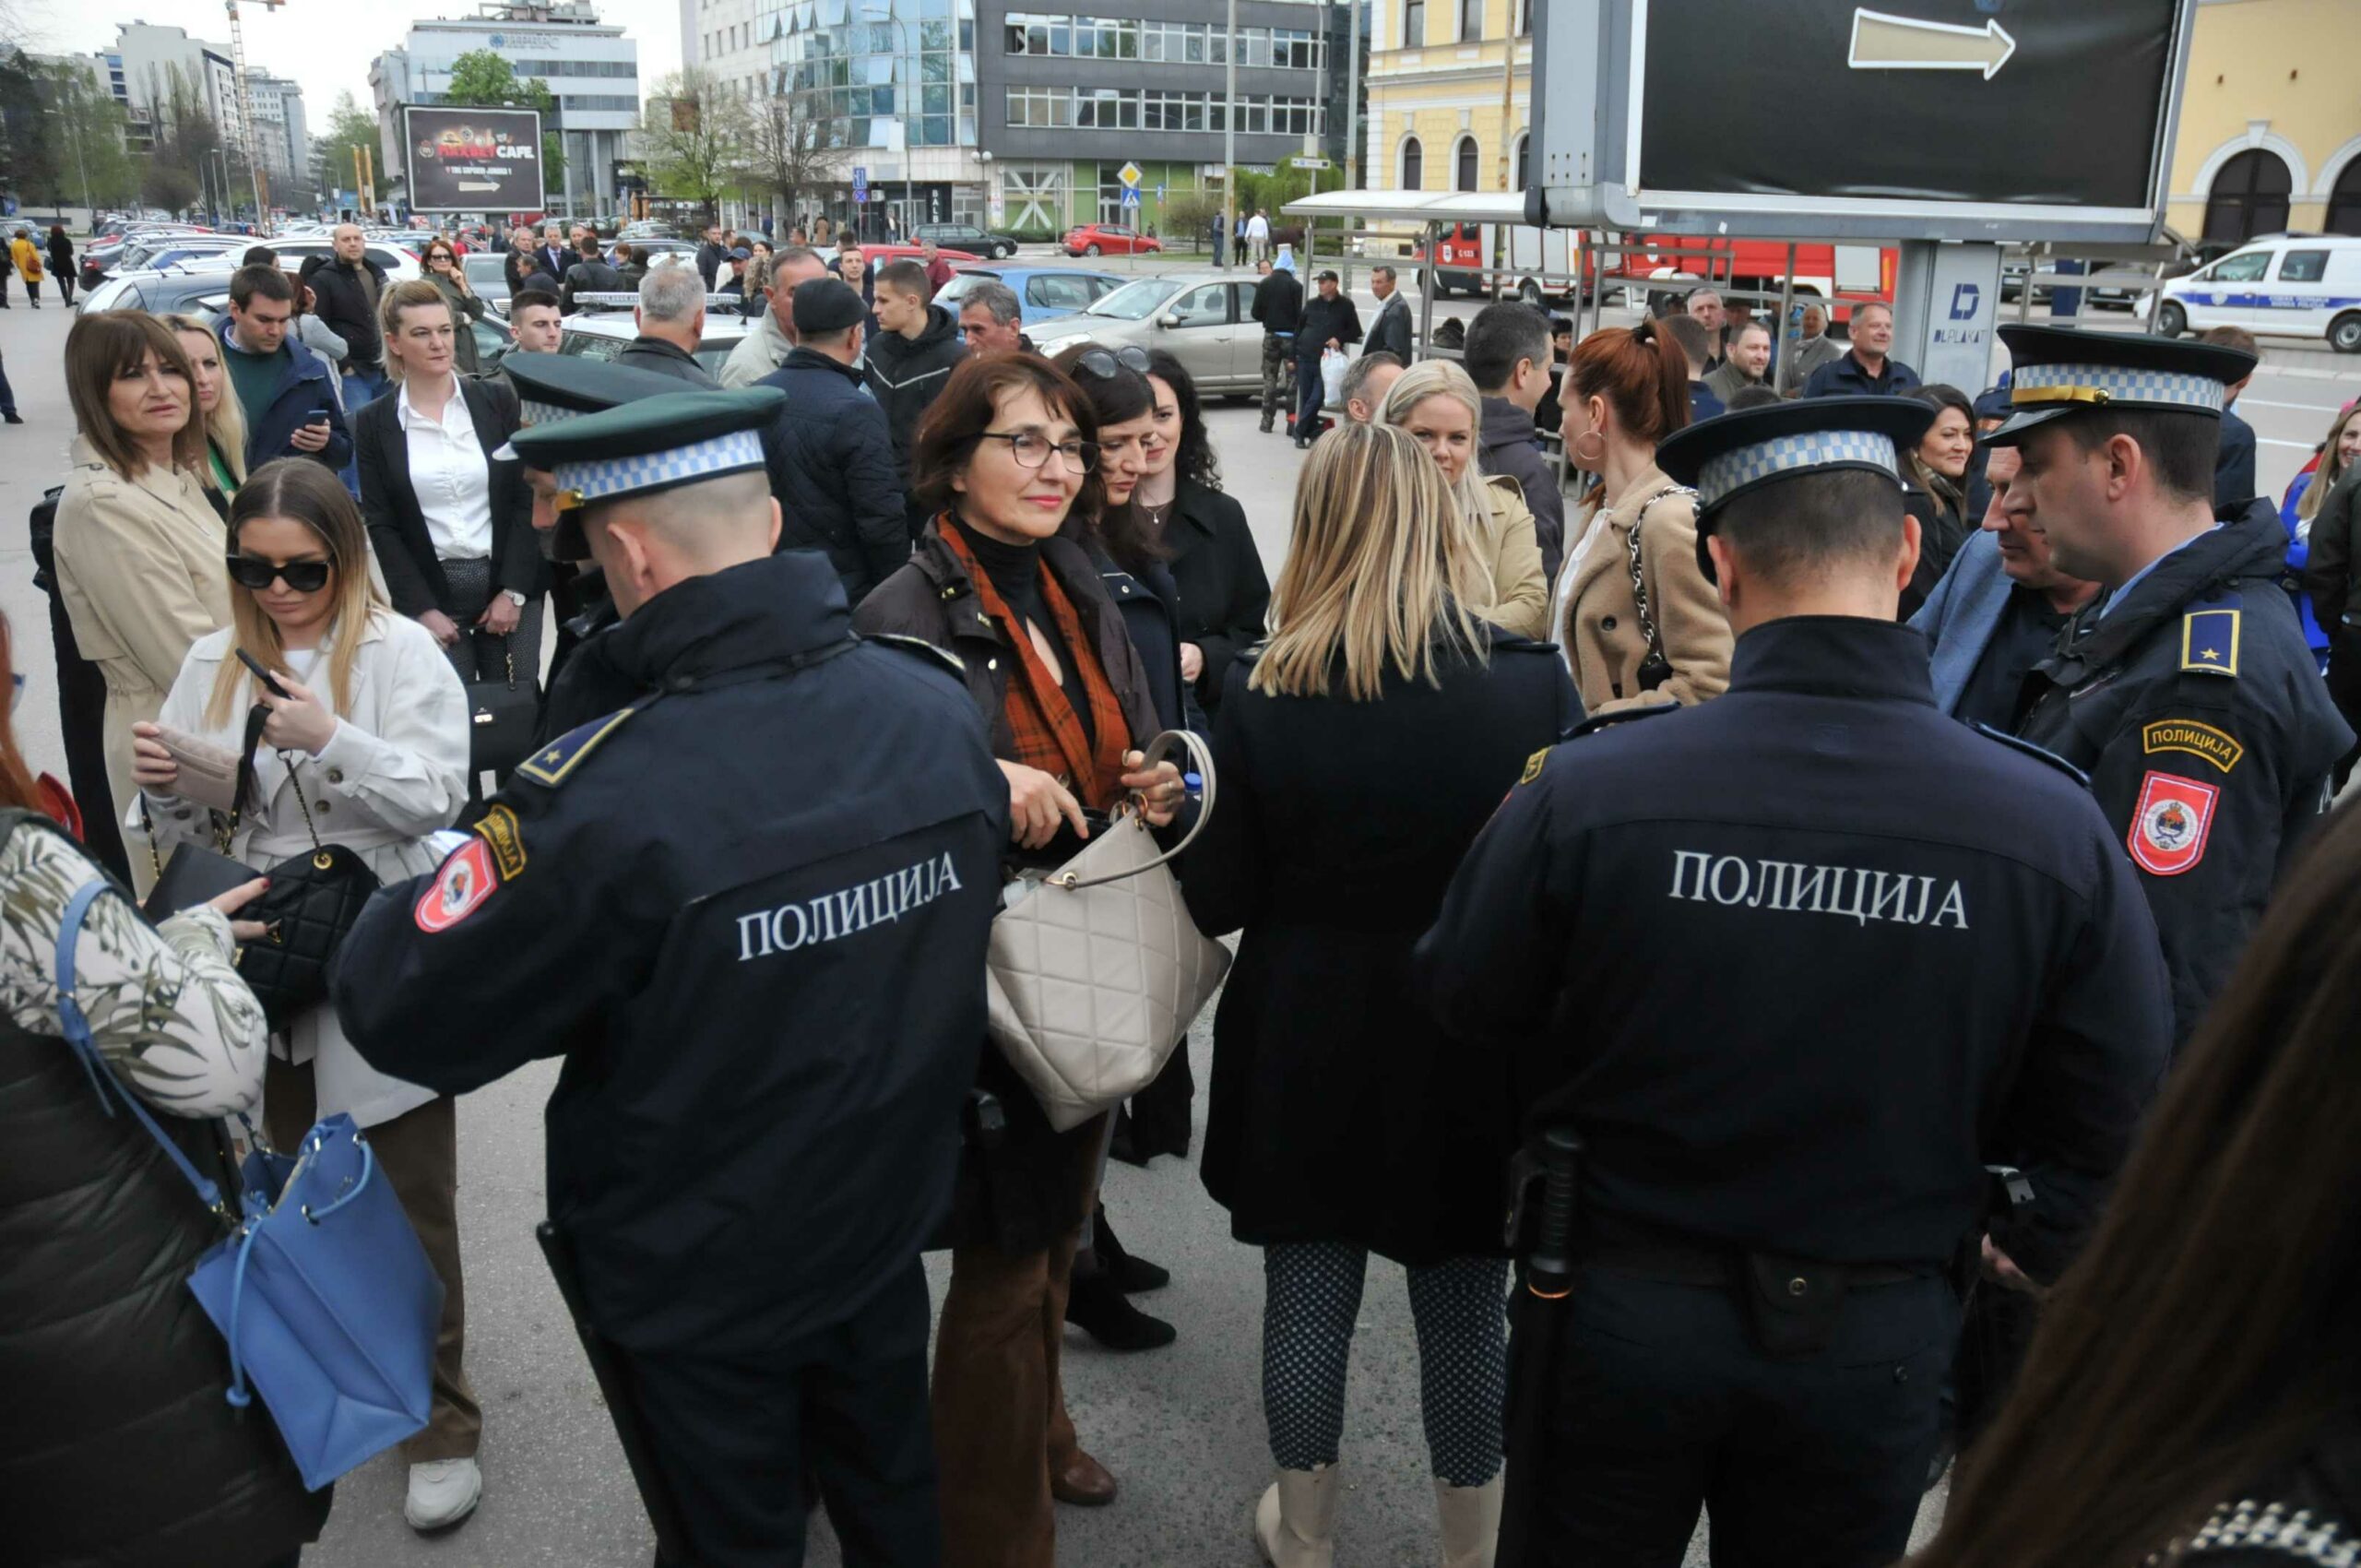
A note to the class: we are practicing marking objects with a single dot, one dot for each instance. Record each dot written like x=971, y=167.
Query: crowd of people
x=900, y=608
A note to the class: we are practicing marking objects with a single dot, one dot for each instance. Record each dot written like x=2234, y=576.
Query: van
x=2290, y=286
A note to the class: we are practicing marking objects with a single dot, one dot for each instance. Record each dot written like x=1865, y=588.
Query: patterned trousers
x=1279, y=373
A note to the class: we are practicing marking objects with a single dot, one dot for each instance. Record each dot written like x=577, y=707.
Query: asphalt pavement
x=1181, y=1428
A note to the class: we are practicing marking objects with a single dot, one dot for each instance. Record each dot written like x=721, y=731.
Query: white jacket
x=395, y=772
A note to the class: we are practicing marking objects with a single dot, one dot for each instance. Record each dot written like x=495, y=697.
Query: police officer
x=1794, y=965
x=750, y=911
x=2187, y=692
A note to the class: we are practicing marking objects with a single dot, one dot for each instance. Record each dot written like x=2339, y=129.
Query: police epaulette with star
x=2052, y=758
x=942, y=656
x=1608, y=720
x=554, y=762
x=2209, y=636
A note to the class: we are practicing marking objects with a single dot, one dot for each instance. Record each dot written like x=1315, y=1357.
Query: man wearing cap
x=754, y=1128
x=833, y=470
x=1330, y=322
x=2187, y=692
x=1781, y=1189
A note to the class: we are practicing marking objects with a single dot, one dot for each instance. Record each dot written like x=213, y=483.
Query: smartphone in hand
x=269, y=685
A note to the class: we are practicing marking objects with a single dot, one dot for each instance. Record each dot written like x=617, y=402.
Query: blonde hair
x=1380, y=573
x=1441, y=378
x=225, y=427
x=300, y=489
x=2332, y=469
x=399, y=297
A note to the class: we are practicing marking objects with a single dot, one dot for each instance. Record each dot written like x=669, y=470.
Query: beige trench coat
x=1513, y=563
x=1599, y=620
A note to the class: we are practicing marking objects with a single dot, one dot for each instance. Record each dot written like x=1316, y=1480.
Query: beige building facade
x=1435, y=119
x=2271, y=123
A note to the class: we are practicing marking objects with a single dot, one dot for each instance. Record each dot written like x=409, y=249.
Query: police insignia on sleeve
x=1532, y=765
x=2197, y=740
x=459, y=889
x=2170, y=823
x=553, y=761
x=501, y=829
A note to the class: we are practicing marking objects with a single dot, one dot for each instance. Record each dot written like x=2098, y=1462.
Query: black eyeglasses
x=302, y=576
x=1103, y=363
x=1033, y=451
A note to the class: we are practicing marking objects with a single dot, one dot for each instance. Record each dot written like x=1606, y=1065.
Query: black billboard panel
x=474, y=160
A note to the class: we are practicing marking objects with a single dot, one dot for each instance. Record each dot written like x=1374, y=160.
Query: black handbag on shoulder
x=502, y=713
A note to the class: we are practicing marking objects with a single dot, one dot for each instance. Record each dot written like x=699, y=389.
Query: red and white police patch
x=2169, y=824
x=459, y=889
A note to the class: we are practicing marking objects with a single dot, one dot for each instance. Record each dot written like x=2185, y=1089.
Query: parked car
x=602, y=335
x=880, y=254
x=183, y=288
x=967, y=237
x=487, y=274
x=2285, y=287
x=1202, y=317
x=147, y=253
x=1107, y=239
x=1047, y=294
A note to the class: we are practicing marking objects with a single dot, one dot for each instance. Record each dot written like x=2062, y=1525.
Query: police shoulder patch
x=554, y=762
x=1534, y=764
x=2206, y=741
x=500, y=831
x=919, y=645
x=1608, y=720
x=2209, y=640
x=2043, y=753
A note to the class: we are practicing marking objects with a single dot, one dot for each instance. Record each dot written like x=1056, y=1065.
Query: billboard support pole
x=1946, y=300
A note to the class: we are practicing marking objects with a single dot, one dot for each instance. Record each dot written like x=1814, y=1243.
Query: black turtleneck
x=1014, y=571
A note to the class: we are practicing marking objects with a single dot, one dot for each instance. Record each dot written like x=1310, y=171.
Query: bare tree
x=786, y=151
x=689, y=132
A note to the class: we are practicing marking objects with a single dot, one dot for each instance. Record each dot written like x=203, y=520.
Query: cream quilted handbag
x=1096, y=969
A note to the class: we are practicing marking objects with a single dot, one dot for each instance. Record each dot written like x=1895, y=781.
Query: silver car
x=1200, y=318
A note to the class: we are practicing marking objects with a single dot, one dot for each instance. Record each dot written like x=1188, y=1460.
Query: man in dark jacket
x=1867, y=368
x=833, y=469
x=591, y=275
x=1389, y=330
x=1278, y=305
x=2233, y=477
x=555, y=256
x=710, y=254
x=283, y=388
x=907, y=364
x=1329, y=322
x=345, y=288
x=1508, y=358
x=672, y=327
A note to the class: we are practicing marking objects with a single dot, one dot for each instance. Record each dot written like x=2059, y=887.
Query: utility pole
x=244, y=87
x=1229, y=137
x=1353, y=103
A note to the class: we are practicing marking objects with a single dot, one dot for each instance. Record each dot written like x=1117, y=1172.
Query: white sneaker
x=442, y=1492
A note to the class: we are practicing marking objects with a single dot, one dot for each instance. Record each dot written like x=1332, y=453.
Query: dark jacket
x=667, y=359
x=1026, y=1191
x=833, y=473
x=1845, y=378
x=527, y=269
x=61, y=257
x=1278, y=301
x=2333, y=570
x=1703, y=404
x=1323, y=319
x=1151, y=614
x=709, y=256
x=1336, y=830
x=802, y=989
x=1943, y=528
x=1508, y=445
x=590, y=276
x=557, y=263
x=1389, y=329
x=397, y=528
x=346, y=304
x=303, y=393
x=2233, y=476
x=116, y=1441
x=1223, y=591
x=2304, y=1510
x=905, y=375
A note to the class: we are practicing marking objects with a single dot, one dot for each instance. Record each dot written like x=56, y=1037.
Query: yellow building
x=1435, y=121
x=2271, y=123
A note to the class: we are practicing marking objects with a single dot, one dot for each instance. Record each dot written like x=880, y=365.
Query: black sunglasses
x=302, y=576
x=1104, y=363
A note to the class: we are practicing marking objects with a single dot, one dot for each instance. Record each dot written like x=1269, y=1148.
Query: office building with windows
x=280, y=135
x=146, y=62
x=1435, y=121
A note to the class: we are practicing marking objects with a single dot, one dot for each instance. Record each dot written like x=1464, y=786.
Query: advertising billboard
x=473, y=160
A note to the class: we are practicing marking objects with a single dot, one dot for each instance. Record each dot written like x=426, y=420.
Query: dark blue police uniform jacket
x=1797, y=961
x=2199, y=712
x=751, y=912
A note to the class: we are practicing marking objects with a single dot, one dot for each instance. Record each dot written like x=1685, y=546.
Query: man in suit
x=1389, y=330
x=554, y=257
x=1508, y=358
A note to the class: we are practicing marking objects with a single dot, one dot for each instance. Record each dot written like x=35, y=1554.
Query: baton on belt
x=1538, y=1325
x=614, y=1384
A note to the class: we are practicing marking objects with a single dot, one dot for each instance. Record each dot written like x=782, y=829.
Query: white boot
x=1296, y=1521
x=1471, y=1521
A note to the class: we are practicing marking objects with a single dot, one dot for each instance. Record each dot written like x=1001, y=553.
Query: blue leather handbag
x=326, y=1297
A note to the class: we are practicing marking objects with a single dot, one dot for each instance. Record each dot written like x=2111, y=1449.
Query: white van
x=2287, y=288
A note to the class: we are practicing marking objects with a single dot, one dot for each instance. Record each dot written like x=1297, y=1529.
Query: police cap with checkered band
x=646, y=446
x=2058, y=371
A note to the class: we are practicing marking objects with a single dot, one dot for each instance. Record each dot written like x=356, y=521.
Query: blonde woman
x=1358, y=753
x=1438, y=405
x=369, y=749
x=2307, y=490
x=217, y=407
x=138, y=551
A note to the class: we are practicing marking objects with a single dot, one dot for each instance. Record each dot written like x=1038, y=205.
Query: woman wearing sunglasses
x=366, y=745
x=1005, y=459
x=442, y=268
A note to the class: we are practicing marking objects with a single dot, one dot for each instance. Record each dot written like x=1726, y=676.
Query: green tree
x=689, y=134
x=482, y=80
x=348, y=125
x=94, y=164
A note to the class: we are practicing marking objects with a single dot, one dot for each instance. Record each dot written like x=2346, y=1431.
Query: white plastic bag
x=1332, y=377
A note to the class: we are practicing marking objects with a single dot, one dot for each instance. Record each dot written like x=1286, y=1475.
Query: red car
x=1109, y=239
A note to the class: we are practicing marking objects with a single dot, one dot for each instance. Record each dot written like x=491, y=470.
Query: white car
x=2290, y=286
x=603, y=334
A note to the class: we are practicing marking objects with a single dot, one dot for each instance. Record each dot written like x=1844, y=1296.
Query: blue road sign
x=860, y=184
x=1130, y=195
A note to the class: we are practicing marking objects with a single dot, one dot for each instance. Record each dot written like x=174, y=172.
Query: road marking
x=2306, y=408
x=1883, y=42
x=2299, y=445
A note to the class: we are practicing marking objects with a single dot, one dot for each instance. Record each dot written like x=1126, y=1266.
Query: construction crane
x=245, y=88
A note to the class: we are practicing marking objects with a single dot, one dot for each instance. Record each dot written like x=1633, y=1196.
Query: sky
x=325, y=45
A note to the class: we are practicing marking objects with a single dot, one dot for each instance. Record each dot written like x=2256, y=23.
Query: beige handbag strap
x=1201, y=758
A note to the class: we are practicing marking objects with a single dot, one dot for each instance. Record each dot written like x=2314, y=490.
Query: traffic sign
x=1301, y=161
x=1130, y=175
x=1130, y=195
x=859, y=183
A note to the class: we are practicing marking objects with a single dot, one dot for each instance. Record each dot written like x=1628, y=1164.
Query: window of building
x=1414, y=165
x=1414, y=23
x=1106, y=108
x=2343, y=216
x=1471, y=20
x=1464, y=161
x=1039, y=107
x=2249, y=197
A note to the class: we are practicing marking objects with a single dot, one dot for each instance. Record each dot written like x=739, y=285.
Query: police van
x=2289, y=286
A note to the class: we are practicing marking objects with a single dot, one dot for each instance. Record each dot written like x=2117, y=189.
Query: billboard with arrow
x=473, y=160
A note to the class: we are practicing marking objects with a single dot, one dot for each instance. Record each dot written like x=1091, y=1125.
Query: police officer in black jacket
x=750, y=911
x=1793, y=964
x=2187, y=691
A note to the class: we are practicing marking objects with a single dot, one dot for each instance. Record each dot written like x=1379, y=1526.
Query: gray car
x=1201, y=318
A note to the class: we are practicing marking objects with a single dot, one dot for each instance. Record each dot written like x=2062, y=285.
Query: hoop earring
x=1588, y=461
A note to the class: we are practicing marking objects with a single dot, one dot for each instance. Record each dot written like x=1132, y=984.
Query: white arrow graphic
x=1883, y=42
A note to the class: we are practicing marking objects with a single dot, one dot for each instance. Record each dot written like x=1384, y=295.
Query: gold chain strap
x=320, y=856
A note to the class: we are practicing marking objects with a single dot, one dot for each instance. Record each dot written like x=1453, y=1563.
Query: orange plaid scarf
x=1048, y=733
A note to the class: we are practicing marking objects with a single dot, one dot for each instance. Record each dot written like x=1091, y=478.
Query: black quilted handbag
x=310, y=903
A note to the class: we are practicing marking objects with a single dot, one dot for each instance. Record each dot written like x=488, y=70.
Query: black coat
x=344, y=305
x=667, y=359
x=1219, y=571
x=833, y=473
x=1278, y=303
x=1509, y=444
x=2234, y=464
x=1389, y=330
x=1323, y=319
x=768, y=1018
x=397, y=528
x=1336, y=828
x=906, y=374
x=587, y=277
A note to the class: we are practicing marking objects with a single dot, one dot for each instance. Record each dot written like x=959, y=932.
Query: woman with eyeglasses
x=221, y=414
x=138, y=550
x=1438, y=404
x=441, y=268
x=367, y=748
x=1005, y=459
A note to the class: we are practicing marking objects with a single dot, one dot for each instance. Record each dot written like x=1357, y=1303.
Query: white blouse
x=450, y=476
